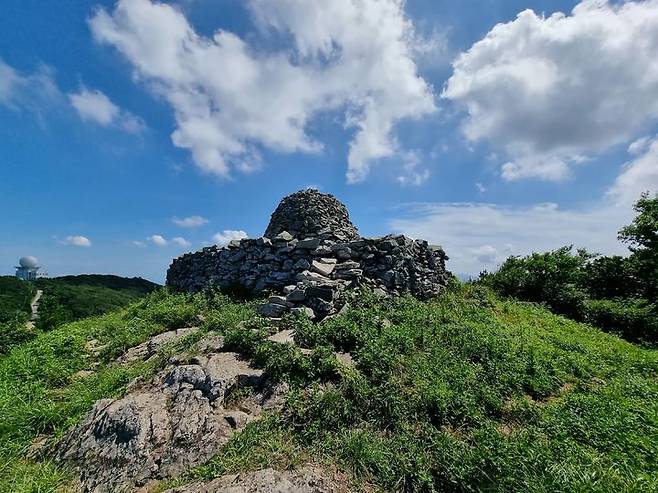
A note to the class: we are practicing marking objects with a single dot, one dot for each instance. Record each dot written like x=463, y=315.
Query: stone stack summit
x=310, y=255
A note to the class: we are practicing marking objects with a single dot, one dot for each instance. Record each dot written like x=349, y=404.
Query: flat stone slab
x=149, y=348
x=305, y=480
x=283, y=337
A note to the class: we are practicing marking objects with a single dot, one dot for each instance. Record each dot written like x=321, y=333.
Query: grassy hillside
x=70, y=298
x=465, y=393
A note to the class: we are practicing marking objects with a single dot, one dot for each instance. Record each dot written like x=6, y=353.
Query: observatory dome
x=29, y=262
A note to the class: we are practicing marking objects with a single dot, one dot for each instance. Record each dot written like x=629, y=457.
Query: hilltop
x=464, y=392
x=319, y=360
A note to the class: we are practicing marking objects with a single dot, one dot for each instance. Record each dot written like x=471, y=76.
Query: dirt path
x=35, y=309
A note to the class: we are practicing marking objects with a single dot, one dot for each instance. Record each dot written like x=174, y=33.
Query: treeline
x=617, y=294
x=15, y=298
x=65, y=299
x=69, y=298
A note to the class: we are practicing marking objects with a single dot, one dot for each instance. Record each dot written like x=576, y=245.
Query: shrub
x=635, y=320
x=554, y=278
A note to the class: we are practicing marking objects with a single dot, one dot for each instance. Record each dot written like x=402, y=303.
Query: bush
x=634, y=320
x=14, y=333
x=554, y=278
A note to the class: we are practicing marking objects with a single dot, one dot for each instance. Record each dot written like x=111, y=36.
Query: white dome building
x=28, y=269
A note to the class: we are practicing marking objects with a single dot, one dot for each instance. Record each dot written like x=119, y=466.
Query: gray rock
x=303, y=311
x=296, y=296
x=308, y=244
x=302, y=264
x=279, y=300
x=322, y=268
x=163, y=427
x=272, y=310
x=149, y=348
x=306, y=480
x=283, y=236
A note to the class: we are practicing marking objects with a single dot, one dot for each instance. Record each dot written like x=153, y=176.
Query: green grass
x=465, y=393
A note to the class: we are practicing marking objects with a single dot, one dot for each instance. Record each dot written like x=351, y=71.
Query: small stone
x=302, y=264
x=326, y=294
x=272, y=310
x=348, y=274
x=311, y=276
x=279, y=300
x=348, y=265
x=283, y=236
x=308, y=244
x=303, y=311
x=322, y=250
x=322, y=268
x=283, y=337
x=296, y=296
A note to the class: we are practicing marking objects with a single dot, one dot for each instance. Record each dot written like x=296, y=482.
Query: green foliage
x=70, y=298
x=611, y=278
x=635, y=320
x=555, y=278
x=642, y=237
x=465, y=393
x=15, y=297
x=617, y=294
x=41, y=393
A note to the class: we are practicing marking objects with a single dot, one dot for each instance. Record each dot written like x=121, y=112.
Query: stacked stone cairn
x=310, y=255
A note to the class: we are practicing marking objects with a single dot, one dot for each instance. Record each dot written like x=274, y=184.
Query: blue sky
x=490, y=127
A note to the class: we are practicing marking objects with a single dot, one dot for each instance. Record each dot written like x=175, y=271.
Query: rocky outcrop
x=305, y=480
x=310, y=268
x=181, y=418
x=146, y=350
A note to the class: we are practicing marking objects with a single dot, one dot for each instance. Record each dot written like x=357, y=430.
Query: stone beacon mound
x=310, y=255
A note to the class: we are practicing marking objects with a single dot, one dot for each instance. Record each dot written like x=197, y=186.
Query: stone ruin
x=310, y=255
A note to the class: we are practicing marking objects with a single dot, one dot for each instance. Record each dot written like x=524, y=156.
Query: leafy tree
x=642, y=237
x=554, y=278
x=610, y=278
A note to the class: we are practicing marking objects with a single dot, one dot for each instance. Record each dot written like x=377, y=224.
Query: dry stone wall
x=308, y=272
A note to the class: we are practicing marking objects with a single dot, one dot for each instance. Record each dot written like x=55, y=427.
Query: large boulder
x=181, y=418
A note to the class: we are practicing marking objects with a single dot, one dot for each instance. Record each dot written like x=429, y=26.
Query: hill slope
x=464, y=393
x=70, y=298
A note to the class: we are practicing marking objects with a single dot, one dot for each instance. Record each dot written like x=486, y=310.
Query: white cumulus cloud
x=231, y=99
x=550, y=91
x=78, y=241
x=480, y=235
x=227, y=235
x=94, y=106
x=180, y=241
x=190, y=222
x=158, y=240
